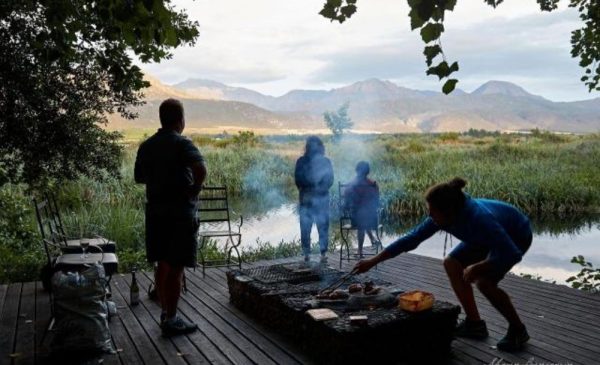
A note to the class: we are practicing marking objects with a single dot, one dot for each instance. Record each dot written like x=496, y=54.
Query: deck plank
x=142, y=342
x=8, y=324
x=540, y=312
x=581, y=299
x=561, y=321
x=149, y=328
x=3, y=290
x=202, y=339
x=214, y=289
x=42, y=321
x=256, y=338
x=25, y=331
x=123, y=343
x=554, y=333
x=231, y=343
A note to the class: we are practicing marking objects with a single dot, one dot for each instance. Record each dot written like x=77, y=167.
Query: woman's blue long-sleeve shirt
x=492, y=224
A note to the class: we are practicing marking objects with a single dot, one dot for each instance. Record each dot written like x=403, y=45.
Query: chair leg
x=347, y=245
x=228, y=249
x=239, y=257
x=202, y=261
x=234, y=246
x=341, y=253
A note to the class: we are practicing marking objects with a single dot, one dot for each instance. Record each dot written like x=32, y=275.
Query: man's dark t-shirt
x=163, y=164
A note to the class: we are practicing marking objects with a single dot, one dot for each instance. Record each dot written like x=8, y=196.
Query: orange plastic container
x=415, y=301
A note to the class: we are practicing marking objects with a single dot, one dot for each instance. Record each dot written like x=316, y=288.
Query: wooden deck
x=563, y=323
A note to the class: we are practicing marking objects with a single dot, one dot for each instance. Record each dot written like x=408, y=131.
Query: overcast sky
x=274, y=46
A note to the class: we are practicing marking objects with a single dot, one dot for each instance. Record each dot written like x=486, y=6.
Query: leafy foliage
x=246, y=139
x=338, y=121
x=428, y=16
x=64, y=65
x=588, y=278
x=21, y=254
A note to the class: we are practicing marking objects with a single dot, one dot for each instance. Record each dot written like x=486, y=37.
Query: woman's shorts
x=469, y=254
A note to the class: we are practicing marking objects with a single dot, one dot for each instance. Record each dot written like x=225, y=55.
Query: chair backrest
x=344, y=208
x=49, y=221
x=213, y=205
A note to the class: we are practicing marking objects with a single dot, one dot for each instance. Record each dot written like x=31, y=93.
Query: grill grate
x=286, y=273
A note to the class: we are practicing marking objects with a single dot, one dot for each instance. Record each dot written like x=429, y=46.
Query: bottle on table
x=134, y=289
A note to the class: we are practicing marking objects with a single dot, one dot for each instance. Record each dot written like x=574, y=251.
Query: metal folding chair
x=215, y=223
x=51, y=228
x=63, y=253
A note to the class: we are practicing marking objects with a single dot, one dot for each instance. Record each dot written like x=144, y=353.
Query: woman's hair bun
x=458, y=183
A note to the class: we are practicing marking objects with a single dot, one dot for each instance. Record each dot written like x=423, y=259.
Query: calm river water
x=554, y=243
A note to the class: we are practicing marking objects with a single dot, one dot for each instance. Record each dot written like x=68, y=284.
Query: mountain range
x=374, y=105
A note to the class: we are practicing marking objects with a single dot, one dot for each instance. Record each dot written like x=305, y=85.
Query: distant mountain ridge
x=375, y=105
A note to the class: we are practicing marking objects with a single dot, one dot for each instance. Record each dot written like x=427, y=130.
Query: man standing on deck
x=173, y=170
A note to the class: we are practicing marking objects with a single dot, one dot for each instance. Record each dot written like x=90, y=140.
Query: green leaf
x=450, y=4
x=425, y=9
x=454, y=67
x=441, y=70
x=431, y=52
x=348, y=10
x=449, y=86
x=415, y=19
x=328, y=12
x=431, y=32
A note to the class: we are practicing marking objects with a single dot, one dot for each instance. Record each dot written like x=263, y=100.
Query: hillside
x=375, y=105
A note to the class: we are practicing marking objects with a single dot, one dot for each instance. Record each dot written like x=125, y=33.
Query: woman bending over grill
x=494, y=236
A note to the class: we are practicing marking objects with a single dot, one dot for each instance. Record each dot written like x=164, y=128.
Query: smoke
x=261, y=184
x=353, y=148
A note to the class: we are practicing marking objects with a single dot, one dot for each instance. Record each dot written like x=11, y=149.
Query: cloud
x=532, y=50
x=275, y=46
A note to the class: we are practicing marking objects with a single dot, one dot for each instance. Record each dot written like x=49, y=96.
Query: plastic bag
x=81, y=312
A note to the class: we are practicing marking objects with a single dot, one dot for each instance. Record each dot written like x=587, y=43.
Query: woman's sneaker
x=323, y=259
x=514, y=339
x=471, y=329
x=177, y=326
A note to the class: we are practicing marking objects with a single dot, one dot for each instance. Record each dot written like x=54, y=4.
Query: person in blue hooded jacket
x=314, y=176
x=494, y=236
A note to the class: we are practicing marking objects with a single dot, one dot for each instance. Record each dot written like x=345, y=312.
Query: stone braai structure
x=280, y=295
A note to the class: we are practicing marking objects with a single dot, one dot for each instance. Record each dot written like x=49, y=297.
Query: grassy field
x=542, y=173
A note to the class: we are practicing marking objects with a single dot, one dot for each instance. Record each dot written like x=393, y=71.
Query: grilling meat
x=355, y=288
x=339, y=294
x=333, y=295
x=373, y=291
x=324, y=295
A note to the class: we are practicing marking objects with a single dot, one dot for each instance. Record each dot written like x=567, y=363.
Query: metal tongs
x=340, y=281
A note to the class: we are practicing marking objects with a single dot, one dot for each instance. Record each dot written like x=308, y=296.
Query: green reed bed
x=543, y=174
x=540, y=178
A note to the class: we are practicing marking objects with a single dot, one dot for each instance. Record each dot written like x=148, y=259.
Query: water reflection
x=556, y=238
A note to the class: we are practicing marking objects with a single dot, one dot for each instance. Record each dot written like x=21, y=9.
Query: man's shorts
x=171, y=237
x=469, y=254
